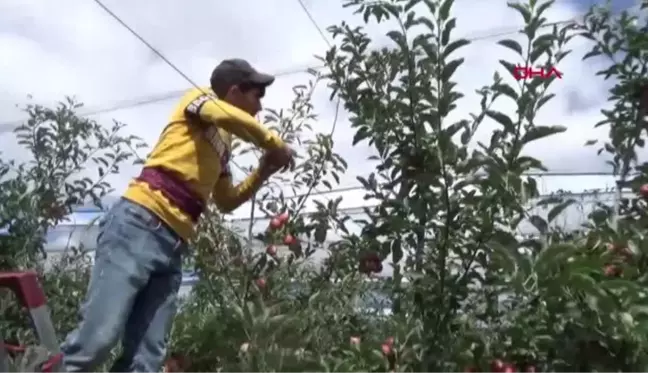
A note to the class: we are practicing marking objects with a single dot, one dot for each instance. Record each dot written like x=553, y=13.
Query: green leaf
x=544, y=41
x=450, y=68
x=432, y=6
x=362, y=134
x=539, y=223
x=411, y=4
x=509, y=67
x=466, y=135
x=639, y=310
x=591, y=54
x=454, y=128
x=543, y=7
x=542, y=101
x=506, y=90
x=539, y=132
x=522, y=9
x=557, y=210
x=396, y=251
x=539, y=49
x=454, y=46
x=623, y=288
x=397, y=37
x=444, y=10
x=447, y=30
x=512, y=45
x=553, y=256
x=526, y=163
x=502, y=119
x=503, y=258
x=587, y=284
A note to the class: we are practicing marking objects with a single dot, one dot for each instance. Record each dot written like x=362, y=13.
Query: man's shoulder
x=197, y=93
x=194, y=98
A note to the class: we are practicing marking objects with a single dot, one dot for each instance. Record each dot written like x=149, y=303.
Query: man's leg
x=148, y=327
x=123, y=265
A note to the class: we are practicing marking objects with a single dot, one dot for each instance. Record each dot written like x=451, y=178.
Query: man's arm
x=228, y=197
x=217, y=112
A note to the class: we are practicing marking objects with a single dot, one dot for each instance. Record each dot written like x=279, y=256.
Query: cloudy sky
x=72, y=47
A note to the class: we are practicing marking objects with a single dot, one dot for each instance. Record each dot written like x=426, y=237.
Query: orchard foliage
x=65, y=161
x=469, y=292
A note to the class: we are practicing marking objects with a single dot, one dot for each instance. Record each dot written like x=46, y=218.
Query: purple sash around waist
x=176, y=190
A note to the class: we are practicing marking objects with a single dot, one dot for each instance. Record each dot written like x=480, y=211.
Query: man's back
x=194, y=153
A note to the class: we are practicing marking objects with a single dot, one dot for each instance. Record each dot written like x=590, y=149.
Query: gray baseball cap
x=238, y=71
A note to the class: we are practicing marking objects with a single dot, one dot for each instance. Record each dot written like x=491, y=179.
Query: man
x=137, y=271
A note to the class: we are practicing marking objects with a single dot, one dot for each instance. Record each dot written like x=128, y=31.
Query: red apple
x=175, y=363
x=389, y=341
x=643, y=190
x=386, y=349
x=271, y=250
x=261, y=283
x=509, y=369
x=625, y=252
x=275, y=223
x=354, y=340
x=621, y=250
x=289, y=239
x=616, y=247
x=171, y=366
x=612, y=271
x=497, y=365
x=283, y=217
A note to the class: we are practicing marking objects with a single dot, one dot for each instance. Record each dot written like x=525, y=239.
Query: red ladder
x=31, y=295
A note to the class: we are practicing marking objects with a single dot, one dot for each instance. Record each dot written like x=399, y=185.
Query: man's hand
x=281, y=158
x=277, y=159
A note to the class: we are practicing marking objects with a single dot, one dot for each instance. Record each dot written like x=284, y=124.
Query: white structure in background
x=81, y=228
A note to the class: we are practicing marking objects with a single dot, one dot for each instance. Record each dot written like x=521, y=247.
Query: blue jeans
x=132, y=293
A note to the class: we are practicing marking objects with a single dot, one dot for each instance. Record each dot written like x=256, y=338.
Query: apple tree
x=63, y=162
x=469, y=289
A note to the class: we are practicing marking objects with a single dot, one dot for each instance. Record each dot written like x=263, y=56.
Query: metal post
x=4, y=358
x=27, y=288
x=617, y=202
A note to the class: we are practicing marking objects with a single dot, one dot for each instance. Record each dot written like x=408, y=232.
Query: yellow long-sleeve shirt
x=196, y=145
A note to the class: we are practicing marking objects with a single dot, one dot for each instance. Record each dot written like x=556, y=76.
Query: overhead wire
x=188, y=79
x=354, y=210
x=154, y=98
x=177, y=93
x=180, y=72
x=151, y=99
x=350, y=188
x=320, y=31
x=319, y=171
x=169, y=95
x=168, y=62
x=323, y=36
x=137, y=102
